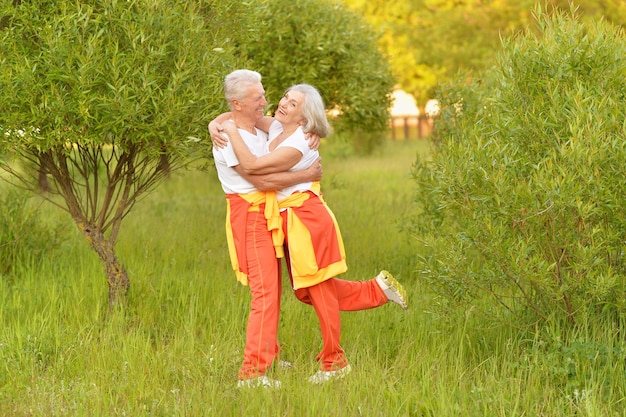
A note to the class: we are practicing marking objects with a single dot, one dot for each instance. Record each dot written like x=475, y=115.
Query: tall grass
x=175, y=349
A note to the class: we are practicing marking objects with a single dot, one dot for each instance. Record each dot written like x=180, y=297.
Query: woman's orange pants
x=329, y=298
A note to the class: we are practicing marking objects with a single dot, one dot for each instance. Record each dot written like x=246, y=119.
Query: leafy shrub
x=325, y=44
x=523, y=200
x=24, y=236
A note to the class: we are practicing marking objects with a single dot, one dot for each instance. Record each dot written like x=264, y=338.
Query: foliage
x=523, y=199
x=430, y=41
x=324, y=44
x=107, y=73
x=105, y=99
x=24, y=237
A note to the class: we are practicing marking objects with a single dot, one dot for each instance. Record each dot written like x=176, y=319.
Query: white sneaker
x=258, y=382
x=324, y=376
x=392, y=288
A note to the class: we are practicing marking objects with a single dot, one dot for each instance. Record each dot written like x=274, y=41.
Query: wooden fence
x=411, y=127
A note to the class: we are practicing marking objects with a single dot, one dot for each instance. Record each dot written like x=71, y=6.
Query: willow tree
x=522, y=201
x=323, y=43
x=101, y=100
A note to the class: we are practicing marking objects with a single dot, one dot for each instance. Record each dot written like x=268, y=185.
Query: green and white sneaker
x=325, y=376
x=392, y=288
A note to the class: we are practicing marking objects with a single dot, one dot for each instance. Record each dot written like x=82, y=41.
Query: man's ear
x=235, y=104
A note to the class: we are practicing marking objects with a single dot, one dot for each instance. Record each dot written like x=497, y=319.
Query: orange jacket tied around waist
x=311, y=231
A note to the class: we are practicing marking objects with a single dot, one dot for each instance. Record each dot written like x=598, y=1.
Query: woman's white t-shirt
x=298, y=141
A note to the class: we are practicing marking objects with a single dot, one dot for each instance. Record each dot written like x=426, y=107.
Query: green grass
x=175, y=349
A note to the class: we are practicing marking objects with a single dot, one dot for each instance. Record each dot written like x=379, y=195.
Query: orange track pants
x=265, y=287
x=329, y=298
x=333, y=295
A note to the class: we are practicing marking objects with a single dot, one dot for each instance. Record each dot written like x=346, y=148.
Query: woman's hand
x=219, y=140
x=229, y=126
x=314, y=140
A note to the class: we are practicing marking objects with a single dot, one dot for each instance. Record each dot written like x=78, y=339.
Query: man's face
x=253, y=106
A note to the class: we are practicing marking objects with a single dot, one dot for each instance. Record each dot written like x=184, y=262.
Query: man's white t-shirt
x=225, y=159
x=298, y=141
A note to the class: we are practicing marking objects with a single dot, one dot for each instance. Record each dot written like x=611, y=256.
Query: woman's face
x=289, y=110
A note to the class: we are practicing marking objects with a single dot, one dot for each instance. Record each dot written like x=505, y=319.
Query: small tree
x=101, y=100
x=523, y=198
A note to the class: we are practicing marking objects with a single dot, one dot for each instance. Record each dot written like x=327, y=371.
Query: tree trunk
x=44, y=185
x=116, y=275
x=84, y=209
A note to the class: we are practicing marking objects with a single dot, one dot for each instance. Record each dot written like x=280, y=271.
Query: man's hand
x=215, y=129
x=314, y=140
x=315, y=170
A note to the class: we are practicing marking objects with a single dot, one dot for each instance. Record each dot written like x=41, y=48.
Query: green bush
x=325, y=44
x=24, y=236
x=522, y=201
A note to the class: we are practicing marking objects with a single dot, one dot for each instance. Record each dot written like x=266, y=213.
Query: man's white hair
x=237, y=82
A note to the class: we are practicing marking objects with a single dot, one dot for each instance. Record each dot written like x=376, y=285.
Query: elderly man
x=254, y=257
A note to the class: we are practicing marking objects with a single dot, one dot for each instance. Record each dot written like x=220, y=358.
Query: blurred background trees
x=429, y=42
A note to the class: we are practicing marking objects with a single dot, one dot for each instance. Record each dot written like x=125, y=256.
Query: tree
x=397, y=25
x=104, y=99
x=431, y=42
x=324, y=44
x=522, y=202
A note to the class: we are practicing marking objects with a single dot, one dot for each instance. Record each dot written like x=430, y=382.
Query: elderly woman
x=313, y=245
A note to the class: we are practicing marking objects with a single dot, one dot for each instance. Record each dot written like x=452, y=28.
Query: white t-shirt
x=225, y=159
x=298, y=141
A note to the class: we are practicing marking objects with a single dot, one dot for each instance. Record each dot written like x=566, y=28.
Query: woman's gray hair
x=236, y=84
x=313, y=110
